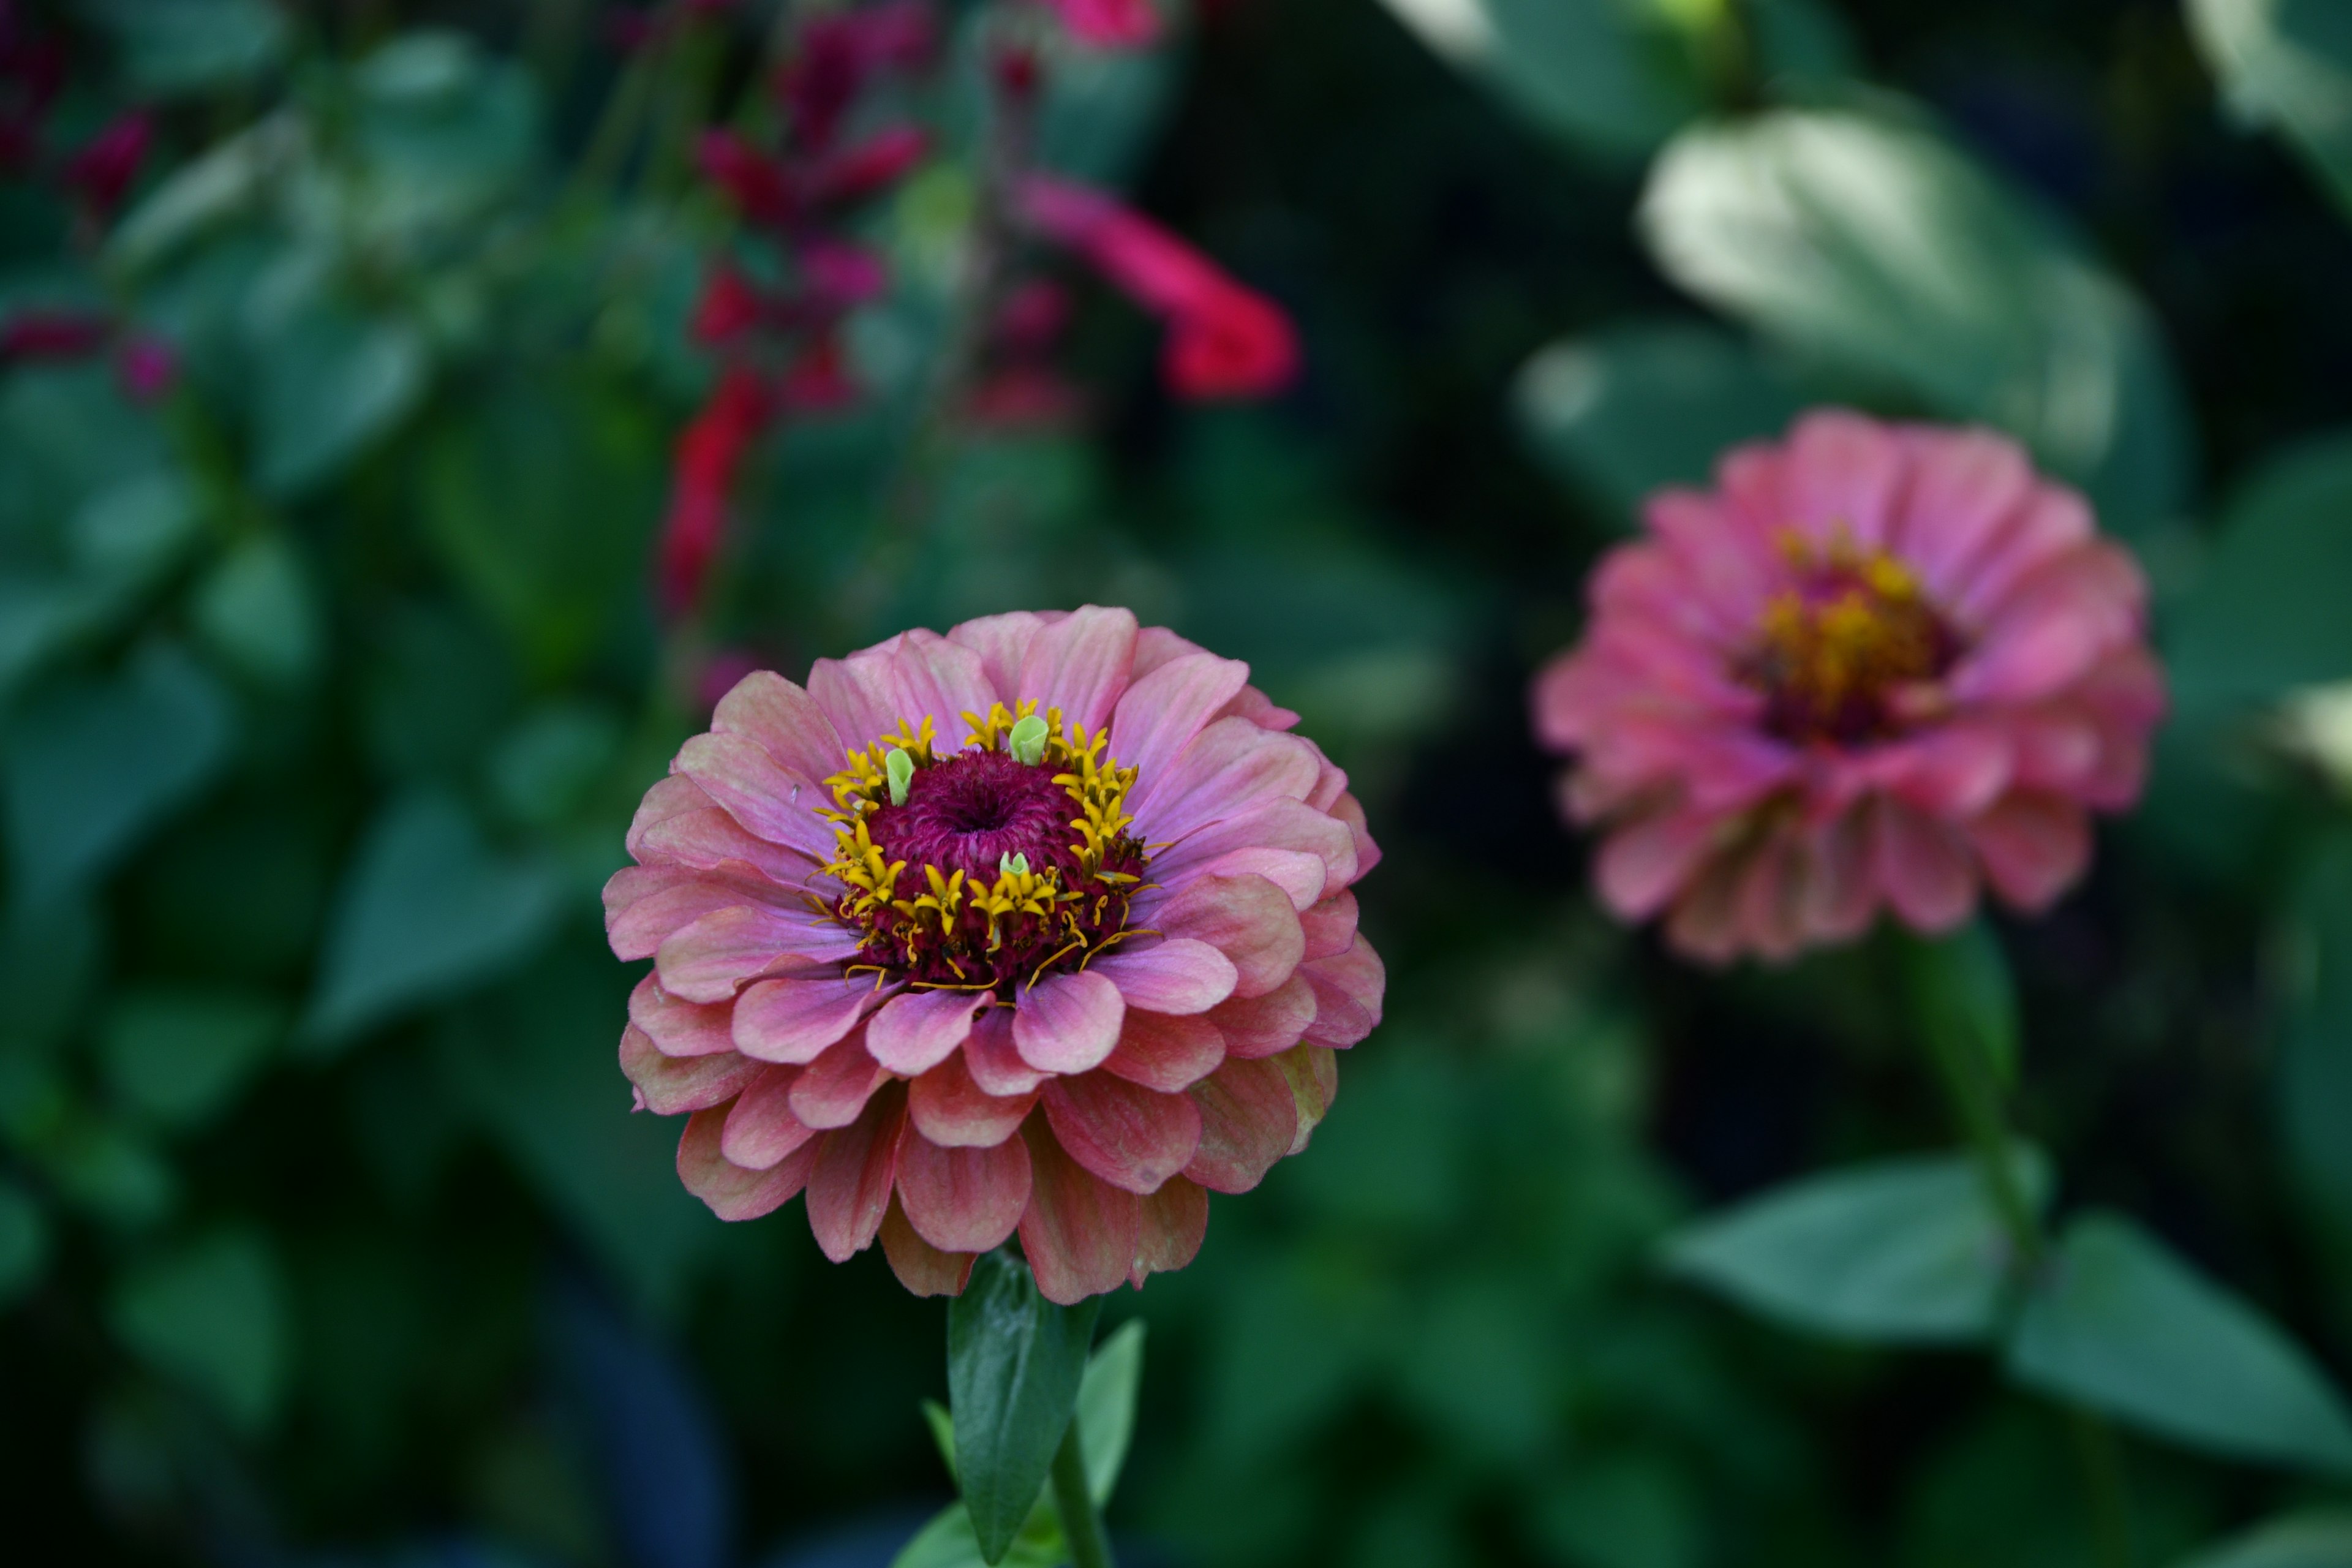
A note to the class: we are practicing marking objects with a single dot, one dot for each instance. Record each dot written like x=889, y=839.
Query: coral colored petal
x=1330, y=926
x=793, y=1020
x=667, y=1085
x=761, y=1129
x=850, y=1184
x=1175, y=1220
x=921, y=1268
x=1067, y=1023
x=1249, y=1117
x=1923, y=865
x=953, y=1112
x=1080, y=664
x=916, y=1030
x=733, y=1192
x=834, y=1090
x=994, y=1060
x=785, y=720
x=679, y=1028
x=1131, y=1136
x=1079, y=1234
x=963, y=1199
x=1160, y=713
x=1178, y=974
x=707, y=960
x=2034, y=846
x=1246, y=918
x=1168, y=1054
x=1348, y=991
x=770, y=800
x=1258, y=1026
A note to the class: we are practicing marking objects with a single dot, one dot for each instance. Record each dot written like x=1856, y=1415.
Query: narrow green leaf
x=2320, y=1539
x=1106, y=1406
x=212, y=1315
x=1902, y=1250
x=2121, y=1324
x=1960, y=991
x=1016, y=1361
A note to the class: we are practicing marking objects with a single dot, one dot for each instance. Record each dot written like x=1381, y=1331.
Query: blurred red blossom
x=709, y=451
x=1225, y=340
x=148, y=368
x=1110, y=23
x=101, y=171
x=37, y=335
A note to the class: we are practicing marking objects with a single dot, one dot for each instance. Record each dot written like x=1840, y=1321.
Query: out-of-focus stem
x=1082, y=1526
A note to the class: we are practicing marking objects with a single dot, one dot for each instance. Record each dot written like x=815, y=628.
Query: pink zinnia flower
x=1043, y=926
x=1224, y=341
x=1874, y=665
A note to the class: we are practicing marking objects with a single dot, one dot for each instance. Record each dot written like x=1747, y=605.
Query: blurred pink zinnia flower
x=1040, y=926
x=1874, y=665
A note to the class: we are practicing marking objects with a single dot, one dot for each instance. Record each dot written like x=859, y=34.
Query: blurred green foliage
x=330, y=671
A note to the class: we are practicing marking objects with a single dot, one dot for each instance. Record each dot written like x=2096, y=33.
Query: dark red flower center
x=968, y=812
x=1852, y=651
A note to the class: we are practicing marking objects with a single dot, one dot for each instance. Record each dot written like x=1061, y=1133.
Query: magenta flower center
x=968, y=811
x=1851, y=652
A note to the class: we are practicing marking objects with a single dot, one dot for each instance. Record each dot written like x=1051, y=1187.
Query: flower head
x=1041, y=926
x=1876, y=665
x=1110, y=23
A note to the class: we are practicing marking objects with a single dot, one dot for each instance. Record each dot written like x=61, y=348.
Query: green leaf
x=1644, y=404
x=1869, y=242
x=2320, y=1539
x=2314, y=1092
x=426, y=911
x=2266, y=613
x=176, y=1055
x=24, y=1242
x=91, y=766
x=1106, y=1406
x=192, y=45
x=1611, y=80
x=948, y=1541
x=1015, y=1364
x=257, y=610
x=135, y=529
x=2286, y=65
x=1962, y=995
x=2122, y=1325
x=332, y=383
x=212, y=1316
x=1910, y=1250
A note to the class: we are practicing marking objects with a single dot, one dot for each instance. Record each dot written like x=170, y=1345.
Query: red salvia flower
x=1110, y=23
x=708, y=452
x=101, y=172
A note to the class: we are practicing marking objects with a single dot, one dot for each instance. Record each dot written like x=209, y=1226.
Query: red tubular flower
x=101, y=172
x=1876, y=665
x=871, y=167
x=727, y=308
x=1043, y=926
x=838, y=53
x=1110, y=23
x=757, y=184
x=1223, y=340
x=707, y=454
x=47, y=335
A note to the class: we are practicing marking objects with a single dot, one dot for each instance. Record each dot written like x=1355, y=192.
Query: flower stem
x=1082, y=1526
x=1976, y=1100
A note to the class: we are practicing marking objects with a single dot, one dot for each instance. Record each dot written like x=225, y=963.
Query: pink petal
x=761, y=1129
x=672, y=797
x=793, y=1020
x=1248, y=1119
x=994, y=1060
x=849, y=1187
x=1953, y=771
x=1769, y=897
x=834, y=1090
x=710, y=837
x=1258, y=1026
x=1156, y=646
x=1166, y=708
x=1079, y=1234
x=2034, y=846
x=1175, y=1220
x=1314, y=1074
x=1842, y=472
x=1177, y=975
x=1229, y=769
x=2054, y=627
x=860, y=694
x=679, y=1028
x=733, y=1192
x=1002, y=643
x=1838, y=897
x=955, y=1112
x=1131, y=1136
x=785, y=722
x=1644, y=865
x=1284, y=825
x=1964, y=484
x=1350, y=812
x=941, y=680
x=770, y=801
x=916, y=1030
x=963, y=1199
x=921, y=1268
x=1924, y=866
x=707, y=960
x=1080, y=663
x=1330, y=926
x=1730, y=570
x=1704, y=923
x=1067, y=1023
x=667, y=1085
x=2051, y=522
x=1349, y=988
x=1169, y=1054
x=1247, y=919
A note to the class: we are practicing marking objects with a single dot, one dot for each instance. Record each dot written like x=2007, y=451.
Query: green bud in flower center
x=1028, y=741
x=900, y=768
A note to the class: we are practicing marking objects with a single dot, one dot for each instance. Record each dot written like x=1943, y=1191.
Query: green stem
x=1976, y=1099
x=1082, y=1526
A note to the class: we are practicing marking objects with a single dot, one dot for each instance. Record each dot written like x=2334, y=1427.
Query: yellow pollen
x=1831, y=651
